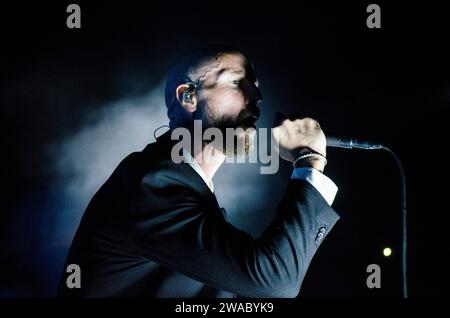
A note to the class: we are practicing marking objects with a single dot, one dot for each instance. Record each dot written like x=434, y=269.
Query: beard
x=238, y=134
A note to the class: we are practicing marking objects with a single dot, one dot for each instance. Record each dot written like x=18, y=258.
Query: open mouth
x=248, y=122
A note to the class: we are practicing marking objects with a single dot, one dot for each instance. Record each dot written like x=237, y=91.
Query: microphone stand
x=404, y=221
x=350, y=143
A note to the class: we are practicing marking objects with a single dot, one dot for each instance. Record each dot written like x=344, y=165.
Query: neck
x=209, y=159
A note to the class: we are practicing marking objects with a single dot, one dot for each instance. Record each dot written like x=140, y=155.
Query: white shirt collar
x=187, y=157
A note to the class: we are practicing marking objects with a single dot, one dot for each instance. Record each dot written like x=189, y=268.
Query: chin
x=246, y=130
x=245, y=142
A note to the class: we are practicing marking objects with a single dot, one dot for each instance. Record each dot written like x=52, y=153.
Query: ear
x=183, y=92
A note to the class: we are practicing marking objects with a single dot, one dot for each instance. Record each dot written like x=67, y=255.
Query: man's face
x=228, y=96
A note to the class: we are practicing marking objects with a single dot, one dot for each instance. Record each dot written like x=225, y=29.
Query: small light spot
x=387, y=251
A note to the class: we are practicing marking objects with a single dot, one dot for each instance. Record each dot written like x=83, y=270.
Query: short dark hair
x=181, y=72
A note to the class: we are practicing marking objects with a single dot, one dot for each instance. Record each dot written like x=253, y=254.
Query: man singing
x=155, y=229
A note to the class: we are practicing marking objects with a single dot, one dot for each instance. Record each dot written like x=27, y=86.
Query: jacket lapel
x=164, y=145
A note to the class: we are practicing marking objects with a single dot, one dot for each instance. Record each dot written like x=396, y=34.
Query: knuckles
x=302, y=125
x=295, y=134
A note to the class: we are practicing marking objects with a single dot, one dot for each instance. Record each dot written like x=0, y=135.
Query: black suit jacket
x=154, y=229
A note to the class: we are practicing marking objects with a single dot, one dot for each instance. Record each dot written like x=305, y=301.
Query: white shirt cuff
x=326, y=187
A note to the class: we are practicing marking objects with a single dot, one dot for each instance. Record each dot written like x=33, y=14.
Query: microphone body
x=333, y=141
x=350, y=143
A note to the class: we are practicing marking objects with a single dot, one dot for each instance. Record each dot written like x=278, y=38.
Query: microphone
x=350, y=143
x=336, y=142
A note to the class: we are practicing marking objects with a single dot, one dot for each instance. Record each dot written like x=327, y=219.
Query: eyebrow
x=238, y=72
x=229, y=70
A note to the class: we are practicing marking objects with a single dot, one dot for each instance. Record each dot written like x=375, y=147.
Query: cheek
x=228, y=102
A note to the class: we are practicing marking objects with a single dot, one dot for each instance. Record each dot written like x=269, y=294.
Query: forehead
x=234, y=62
x=228, y=63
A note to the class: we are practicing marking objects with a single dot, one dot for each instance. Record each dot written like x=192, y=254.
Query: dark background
x=390, y=84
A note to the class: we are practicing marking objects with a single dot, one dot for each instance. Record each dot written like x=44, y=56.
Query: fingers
x=303, y=125
x=280, y=119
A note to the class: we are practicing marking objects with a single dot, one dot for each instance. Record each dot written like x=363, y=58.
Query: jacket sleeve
x=185, y=237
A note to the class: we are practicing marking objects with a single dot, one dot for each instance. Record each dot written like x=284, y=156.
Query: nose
x=251, y=104
x=253, y=94
x=258, y=94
